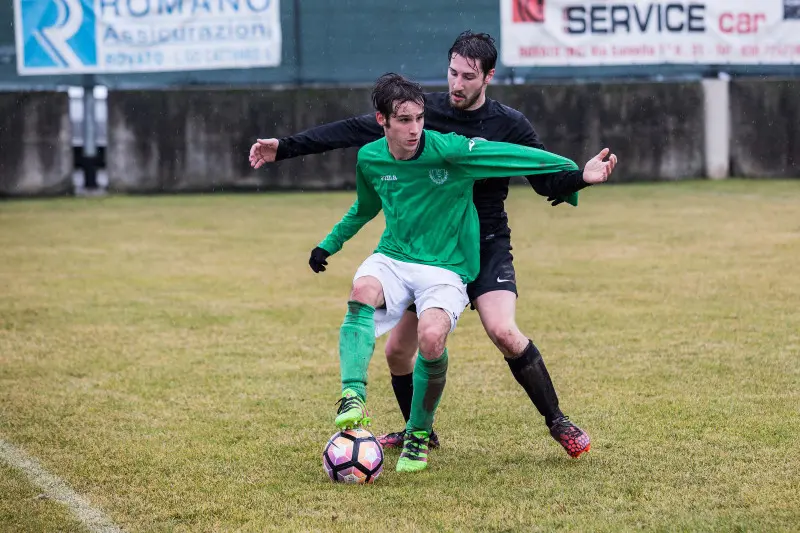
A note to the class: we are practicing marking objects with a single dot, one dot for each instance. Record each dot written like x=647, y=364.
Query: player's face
x=403, y=130
x=467, y=83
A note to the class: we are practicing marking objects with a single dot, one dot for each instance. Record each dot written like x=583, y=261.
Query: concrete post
x=717, y=127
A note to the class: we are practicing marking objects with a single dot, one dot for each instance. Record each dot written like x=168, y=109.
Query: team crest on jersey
x=438, y=176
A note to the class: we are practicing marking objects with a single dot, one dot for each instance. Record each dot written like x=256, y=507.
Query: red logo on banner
x=528, y=10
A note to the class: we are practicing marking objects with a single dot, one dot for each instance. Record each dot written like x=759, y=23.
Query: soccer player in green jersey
x=466, y=109
x=423, y=181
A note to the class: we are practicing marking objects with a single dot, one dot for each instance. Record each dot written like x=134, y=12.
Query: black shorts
x=497, y=268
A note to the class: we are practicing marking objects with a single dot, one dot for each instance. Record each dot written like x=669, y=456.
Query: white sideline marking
x=55, y=488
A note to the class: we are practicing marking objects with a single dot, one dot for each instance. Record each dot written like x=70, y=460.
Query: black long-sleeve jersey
x=493, y=121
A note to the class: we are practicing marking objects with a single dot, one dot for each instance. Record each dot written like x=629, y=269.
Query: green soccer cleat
x=414, y=456
x=352, y=411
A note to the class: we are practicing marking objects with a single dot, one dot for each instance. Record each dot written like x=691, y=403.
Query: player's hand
x=318, y=259
x=597, y=170
x=555, y=200
x=263, y=151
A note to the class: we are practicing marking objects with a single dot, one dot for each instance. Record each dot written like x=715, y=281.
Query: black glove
x=318, y=258
x=555, y=200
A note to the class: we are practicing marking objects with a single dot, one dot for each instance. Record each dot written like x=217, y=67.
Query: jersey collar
x=420, y=147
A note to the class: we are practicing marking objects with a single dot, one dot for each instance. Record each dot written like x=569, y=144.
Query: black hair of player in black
x=393, y=90
x=478, y=47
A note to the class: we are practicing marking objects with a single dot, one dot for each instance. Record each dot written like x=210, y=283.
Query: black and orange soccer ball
x=353, y=456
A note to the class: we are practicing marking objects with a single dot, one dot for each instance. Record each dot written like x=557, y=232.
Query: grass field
x=174, y=360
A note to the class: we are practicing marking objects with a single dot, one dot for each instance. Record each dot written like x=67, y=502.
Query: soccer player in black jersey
x=466, y=110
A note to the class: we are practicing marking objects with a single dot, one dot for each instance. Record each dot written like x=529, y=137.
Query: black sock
x=530, y=372
x=403, y=390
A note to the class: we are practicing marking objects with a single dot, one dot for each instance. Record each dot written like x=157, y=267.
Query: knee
x=366, y=291
x=508, y=338
x=432, y=338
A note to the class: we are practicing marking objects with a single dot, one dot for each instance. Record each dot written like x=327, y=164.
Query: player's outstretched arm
x=365, y=208
x=557, y=187
x=348, y=133
x=564, y=186
x=480, y=159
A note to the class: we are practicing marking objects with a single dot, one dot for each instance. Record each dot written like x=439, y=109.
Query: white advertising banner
x=84, y=36
x=629, y=32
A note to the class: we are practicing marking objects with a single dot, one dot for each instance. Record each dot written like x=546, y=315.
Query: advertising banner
x=630, y=32
x=106, y=36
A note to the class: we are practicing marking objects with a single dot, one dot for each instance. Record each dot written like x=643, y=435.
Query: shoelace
x=562, y=421
x=347, y=403
x=564, y=426
x=415, y=444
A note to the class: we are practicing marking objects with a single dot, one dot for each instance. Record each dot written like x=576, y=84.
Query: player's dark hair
x=478, y=47
x=393, y=90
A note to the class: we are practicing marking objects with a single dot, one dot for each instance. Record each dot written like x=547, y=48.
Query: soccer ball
x=353, y=456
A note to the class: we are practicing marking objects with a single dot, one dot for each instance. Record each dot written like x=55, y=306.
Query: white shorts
x=406, y=283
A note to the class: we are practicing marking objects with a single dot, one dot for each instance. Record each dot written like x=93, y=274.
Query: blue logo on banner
x=58, y=34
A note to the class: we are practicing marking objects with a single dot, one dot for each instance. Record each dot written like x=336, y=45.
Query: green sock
x=429, y=380
x=356, y=344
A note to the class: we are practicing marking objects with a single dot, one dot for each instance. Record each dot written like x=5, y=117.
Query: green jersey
x=427, y=200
